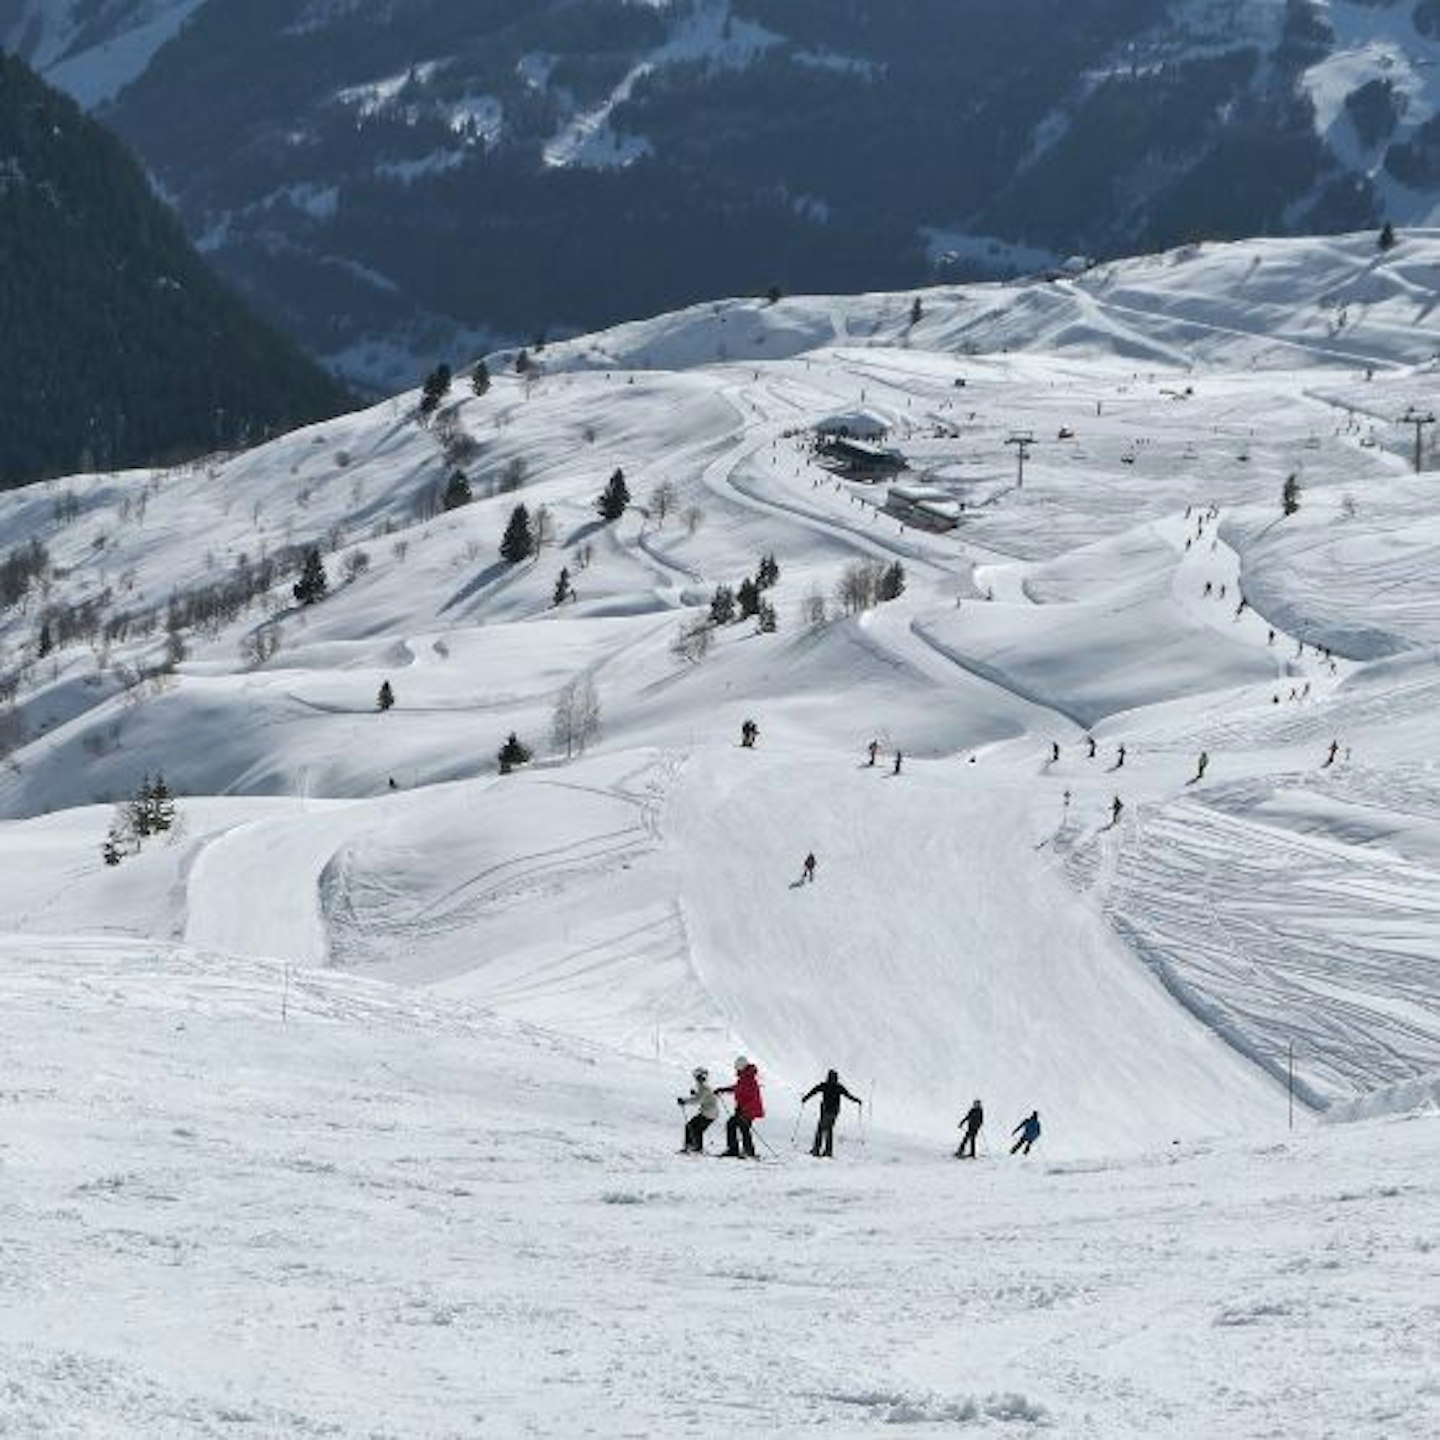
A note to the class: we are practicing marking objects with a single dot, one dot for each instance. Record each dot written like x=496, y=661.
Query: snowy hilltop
x=1022, y=692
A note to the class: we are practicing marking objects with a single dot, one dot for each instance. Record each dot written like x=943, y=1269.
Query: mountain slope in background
x=120, y=346
x=419, y=180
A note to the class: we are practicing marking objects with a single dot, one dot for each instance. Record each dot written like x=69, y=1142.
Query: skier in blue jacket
x=1029, y=1132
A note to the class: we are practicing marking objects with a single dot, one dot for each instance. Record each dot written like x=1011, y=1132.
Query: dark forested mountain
x=398, y=182
x=117, y=345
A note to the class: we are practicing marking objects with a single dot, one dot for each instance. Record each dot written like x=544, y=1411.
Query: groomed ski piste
x=347, y=1106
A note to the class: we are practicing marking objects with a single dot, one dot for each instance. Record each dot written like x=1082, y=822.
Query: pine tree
x=1290, y=495
x=434, y=388
x=457, y=491
x=386, y=698
x=45, y=641
x=892, y=582
x=313, y=582
x=480, y=378
x=767, y=573
x=722, y=605
x=137, y=813
x=519, y=543
x=613, y=499
x=160, y=803
x=112, y=851
x=563, y=589
x=766, y=618
x=747, y=597
x=513, y=753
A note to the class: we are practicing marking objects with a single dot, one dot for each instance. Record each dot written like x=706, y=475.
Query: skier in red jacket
x=749, y=1107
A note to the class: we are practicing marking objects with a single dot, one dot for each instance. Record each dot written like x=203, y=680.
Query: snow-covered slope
x=423, y=989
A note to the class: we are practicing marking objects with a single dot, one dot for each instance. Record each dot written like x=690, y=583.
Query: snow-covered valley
x=347, y=1104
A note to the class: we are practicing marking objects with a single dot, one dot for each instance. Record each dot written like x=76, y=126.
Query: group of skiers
x=749, y=1106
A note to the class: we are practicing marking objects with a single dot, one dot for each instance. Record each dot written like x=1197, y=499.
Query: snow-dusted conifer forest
x=339, y=1067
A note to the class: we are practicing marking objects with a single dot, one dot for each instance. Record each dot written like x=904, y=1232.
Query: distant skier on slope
x=971, y=1124
x=899, y=757
x=1029, y=1132
x=749, y=1107
x=807, y=870
x=831, y=1092
x=707, y=1108
x=1330, y=758
x=1201, y=766
x=874, y=748
x=1117, y=807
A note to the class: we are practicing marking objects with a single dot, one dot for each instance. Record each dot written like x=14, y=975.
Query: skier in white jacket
x=707, y=1108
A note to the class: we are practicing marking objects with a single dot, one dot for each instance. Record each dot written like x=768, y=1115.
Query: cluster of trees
x=121, y=347
x=24, y=569
x=729, y=605
x=748, y=598
x=866, y=583
x=150, y=811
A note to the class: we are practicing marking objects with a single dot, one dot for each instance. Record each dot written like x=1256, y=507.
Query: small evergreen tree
x=113, y=850
x=613, y=499
x=457, y=491
x=766, y=618
x=480, y=378
x=513, y=753
x=747, y=597
x=45, y=641
x=892, y=582
x=1387, y=236
x=434, y=388
x=722, y=605
x=773, y=294
x=563, y=589
x=1290, y=495
x=767, y=573
x=313, y=582
x=161, y=804
x=519, y=542
x=386, y=698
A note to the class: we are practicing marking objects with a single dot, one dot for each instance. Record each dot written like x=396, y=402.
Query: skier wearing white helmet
x=707, y=1107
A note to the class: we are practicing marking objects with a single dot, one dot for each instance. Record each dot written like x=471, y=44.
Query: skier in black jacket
x=974, y=1119
x=831, y=1092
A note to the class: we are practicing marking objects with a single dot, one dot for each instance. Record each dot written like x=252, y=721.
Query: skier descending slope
x=707, y=1108
x=974, y=1119
x=749, y=1107
x=1029, y=1132
x=831, y=1092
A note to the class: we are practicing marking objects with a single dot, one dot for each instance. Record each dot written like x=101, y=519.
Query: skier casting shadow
x=707, y=1109
x=749, y=1107
x=1029, y=1132
x=974, y=1119
x=831, y=1092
